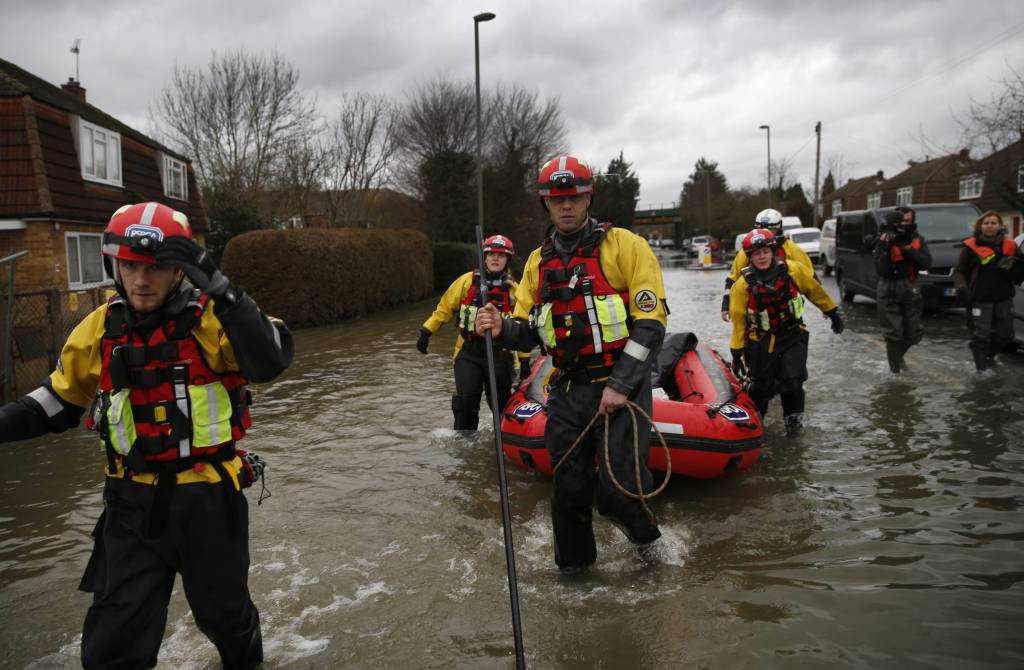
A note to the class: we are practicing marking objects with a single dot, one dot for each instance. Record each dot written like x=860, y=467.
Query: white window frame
x=905, y=196
x=88, y=138
x=874, y=200
x=1020, y=178
x=76, y=281
x=971, y=186
x=169, y=168
x=837, y=207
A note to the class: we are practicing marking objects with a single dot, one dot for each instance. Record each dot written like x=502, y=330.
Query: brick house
x=996, y=182
x=931, y=180
x=853, y=194
x=65, y=167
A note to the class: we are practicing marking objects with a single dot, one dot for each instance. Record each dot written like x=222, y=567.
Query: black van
x=943, y=226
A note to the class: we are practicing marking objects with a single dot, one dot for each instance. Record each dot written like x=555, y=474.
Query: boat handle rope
x=642, y=497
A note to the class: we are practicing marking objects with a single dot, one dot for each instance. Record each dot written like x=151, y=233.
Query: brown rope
x=642, y=497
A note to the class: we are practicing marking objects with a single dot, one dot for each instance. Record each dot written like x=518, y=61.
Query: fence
x=36, y=330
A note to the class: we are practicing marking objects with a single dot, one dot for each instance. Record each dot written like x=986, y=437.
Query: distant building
x=996, y=182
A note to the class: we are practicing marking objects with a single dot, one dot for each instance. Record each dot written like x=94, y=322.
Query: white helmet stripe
x=147, y=214
x=562, y=160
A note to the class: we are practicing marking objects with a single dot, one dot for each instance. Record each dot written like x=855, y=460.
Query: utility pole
x=707, y=200
x=817, y=171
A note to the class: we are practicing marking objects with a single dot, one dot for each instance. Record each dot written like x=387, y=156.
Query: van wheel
x=844, y=291
x=826, y=268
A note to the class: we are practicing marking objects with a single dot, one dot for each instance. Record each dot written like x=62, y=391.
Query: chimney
x=911, y=163
x=880, y=176
x=964, y=155
x=74, y=88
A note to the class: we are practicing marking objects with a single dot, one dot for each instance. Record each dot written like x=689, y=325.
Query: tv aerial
x=75, y=49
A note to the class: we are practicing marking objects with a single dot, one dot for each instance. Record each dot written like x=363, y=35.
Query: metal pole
x=817, y=172
x=9, y=331
x=506, y=516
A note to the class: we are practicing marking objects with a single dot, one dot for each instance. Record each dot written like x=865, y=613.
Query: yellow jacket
x=628, y=264
x=78, y=375
x=448, y=307
x=805, y=283
x=794, y=254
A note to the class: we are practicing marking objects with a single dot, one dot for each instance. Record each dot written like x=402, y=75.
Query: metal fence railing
x=34, y=332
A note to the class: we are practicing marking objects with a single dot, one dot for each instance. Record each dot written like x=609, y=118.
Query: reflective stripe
x=121, y=422
x=181, y=396
x=636, y=350
x=211, y=414
x=676, y=428
x=612, y=315
x=47, y=400
x=798, y=306
x=467, y=317
x=546, y=327
x=595, y=324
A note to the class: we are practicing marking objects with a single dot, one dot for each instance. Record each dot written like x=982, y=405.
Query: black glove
x=199, y=266
x=252, y=468
x=524, y=369
x=739, y=368
x=1006, y=263
x=423, y=340
x=725, y=302
x=837, y=321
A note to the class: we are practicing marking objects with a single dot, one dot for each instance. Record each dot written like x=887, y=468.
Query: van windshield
x=945, y=223
x=809, y=236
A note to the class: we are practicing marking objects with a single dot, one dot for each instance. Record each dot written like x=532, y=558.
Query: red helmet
x=565, y=175
x=135, y=231
x=499, y=244
x=758, y=238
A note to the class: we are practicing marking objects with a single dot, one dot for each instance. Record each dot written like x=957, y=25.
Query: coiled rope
x=641, y=496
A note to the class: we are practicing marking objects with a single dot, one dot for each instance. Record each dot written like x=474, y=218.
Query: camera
x=891, y=221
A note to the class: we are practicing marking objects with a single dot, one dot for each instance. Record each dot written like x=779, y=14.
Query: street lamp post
x=506, y=516
x=768, y=131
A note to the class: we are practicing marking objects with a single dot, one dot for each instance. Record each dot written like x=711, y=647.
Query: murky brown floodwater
x=889, y=535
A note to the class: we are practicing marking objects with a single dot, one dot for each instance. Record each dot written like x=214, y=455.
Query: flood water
x=888, y=535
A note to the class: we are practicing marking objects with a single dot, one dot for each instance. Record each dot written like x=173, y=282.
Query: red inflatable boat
x=710, y=425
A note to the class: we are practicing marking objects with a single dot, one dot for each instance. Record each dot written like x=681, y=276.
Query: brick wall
x=45, y=266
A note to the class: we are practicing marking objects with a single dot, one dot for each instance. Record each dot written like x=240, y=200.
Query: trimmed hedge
x=316, y=276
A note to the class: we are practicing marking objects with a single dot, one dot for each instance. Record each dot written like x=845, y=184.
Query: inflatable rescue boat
x=710, y=424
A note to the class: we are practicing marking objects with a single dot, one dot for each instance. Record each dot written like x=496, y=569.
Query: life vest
x=158, y=401
x=582, y=320
x=986, y=254
x=896, y=256
x=497, y=294
x=773, y=307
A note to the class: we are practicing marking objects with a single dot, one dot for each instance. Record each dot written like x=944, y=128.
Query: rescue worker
x=164, y=364
x=470, y=357
x=785, y=249
x=900, y=253
x=988, y=267
x=769, y=338
x=592, y=296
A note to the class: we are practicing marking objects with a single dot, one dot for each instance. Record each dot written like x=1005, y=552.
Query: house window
x=99, y=152
x=970, y=186
x=175, y=178
x=837, y=206
x=874, y=199
x=905, y=195
x=85, y=264
x=1020, y=178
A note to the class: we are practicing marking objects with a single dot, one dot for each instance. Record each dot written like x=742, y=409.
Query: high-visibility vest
x=775, y=306
x=986, y=254
x=497, y=294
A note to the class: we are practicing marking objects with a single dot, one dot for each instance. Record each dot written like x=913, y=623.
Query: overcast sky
x=664, y=81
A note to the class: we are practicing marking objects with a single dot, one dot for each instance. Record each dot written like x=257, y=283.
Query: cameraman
x=900, y=254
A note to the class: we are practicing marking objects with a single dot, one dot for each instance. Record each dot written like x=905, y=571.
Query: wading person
x=785, y=250
x=164, y=365
x=900, y=253
x=470, y=358
x=988, y=267
x=769, y=338
x=592, y=296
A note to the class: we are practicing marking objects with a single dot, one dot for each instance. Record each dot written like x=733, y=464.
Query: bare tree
x=1000, y=121
x=783, y=176
x=236, y=117
x=440, y=117
x=364, y=140
x=838, y=168
x=524, y=129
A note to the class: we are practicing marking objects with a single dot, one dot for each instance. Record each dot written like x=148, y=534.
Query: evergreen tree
x=705, y=203
x=448, y=183
x=616, y=193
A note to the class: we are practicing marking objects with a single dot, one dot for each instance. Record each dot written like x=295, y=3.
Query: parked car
x=828, y=246
x=1018, y=306
x=697, y=245
x=808, y=239
x=943, y=226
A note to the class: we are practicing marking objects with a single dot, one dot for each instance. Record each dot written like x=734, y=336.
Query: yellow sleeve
x=806, y=284
x=738, y=312
x=738, y=264
x=798, y=256
x=213, y=342
x=526, y=289
x=78, y=368
x=449, y=303
x=629, y=264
